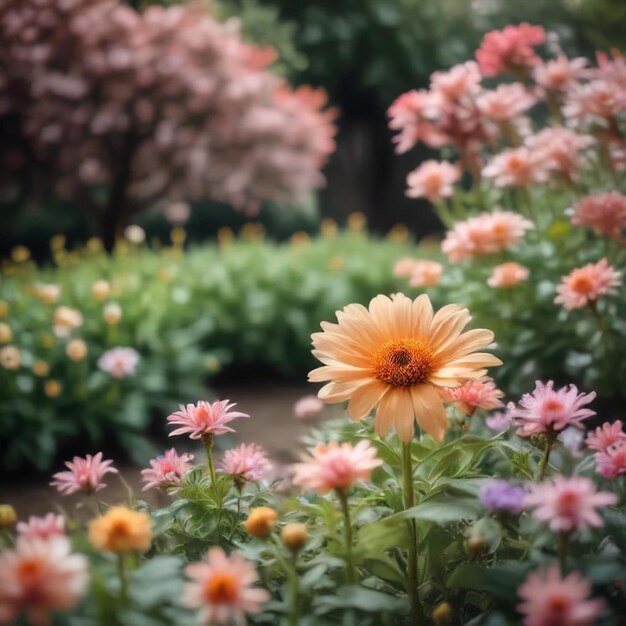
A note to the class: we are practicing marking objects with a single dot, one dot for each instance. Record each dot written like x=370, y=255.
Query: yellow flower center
x=403, y=362
x=221, y=588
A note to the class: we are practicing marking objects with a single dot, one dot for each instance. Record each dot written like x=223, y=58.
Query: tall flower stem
x=409, y=502
x=121, y=572
x=208, y=443
x=545, y=458
x=294, y=604
x=345, y=509
x=563, y=549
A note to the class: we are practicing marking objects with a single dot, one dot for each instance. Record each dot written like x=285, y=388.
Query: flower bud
x=53, y=388
x=100, y=290
x=112, y=313
x=41, y=368
x=76, y=350
x=261, y=521
x=294, y=536
x=442, y=614
x=8, y=516
x=5, y=333
x=475, y=546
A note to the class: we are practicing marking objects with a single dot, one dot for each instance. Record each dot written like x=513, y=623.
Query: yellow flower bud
x=76, y=350
x=294, y=536
x=8, y=516
x=328, y=228
x=121, y=530
x=41, y=369
x=20, y=254
x=261, y=521
x=178, y=236
x=57, y=242
x=225, y=235
x=356, y=221
x=4, y=308
x=52, y=388
x=6, y=335
x=100, y=290
x=442, y=614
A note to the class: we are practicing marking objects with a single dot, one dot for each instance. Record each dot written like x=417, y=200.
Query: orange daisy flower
x=396, y=354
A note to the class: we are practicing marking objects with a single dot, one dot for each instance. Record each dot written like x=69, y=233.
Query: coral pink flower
x=42, y=527
x=119, y=362
x=547, y=409
x=204, y=419
x=587, y=284
x=596, y=103
x=84, y=475
x=558, y=74
x=458, y=82
x=568, y=504
x=505, y=103
x=308, y=407
x=336, y=466
x=167, y=471
x=484, y=234
x=507, y=275
x=433, y=180
x=510, y=49
x=426, y=273
x=474, y=394
x=549, y=600
x=612, y=462
x=604, y=212
x=605, y=436
x=40, y=577
x=246, y=462
x=222, y=588
x=404, y=267
x=516, y=167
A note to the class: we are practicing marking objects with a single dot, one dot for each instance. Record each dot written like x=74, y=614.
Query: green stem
x=345, y=509
x=563, y=549
x=544, y=460
x=218, y=496
x=121, y=571
x=294, y=608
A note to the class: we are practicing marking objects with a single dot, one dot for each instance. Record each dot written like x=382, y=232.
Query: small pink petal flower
x=222, y=588
x=568, y=504
x=547, y=409
x=166, y=472
x=612, y=462
x=549, y=600
x=505, y=103
x=40, y=577
x=426, y=273
x=85, y=474
x=246, y=462
x=433, y=180
x=507, y=275
x=516, y=167
x=474, y=394
x=42, y=527
x=308, y=407
x=587, y=284
x=336, y=466
x=605, y=213
x=204, y=419
x=501, y=421
x=560, y=73
x=119, y=362
x=605, y=436
x=459, y=82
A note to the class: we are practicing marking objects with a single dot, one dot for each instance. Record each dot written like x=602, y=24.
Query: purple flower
x=498, y=496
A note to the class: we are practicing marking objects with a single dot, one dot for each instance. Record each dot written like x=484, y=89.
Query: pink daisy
x=500, y=421
x=42, y=527
x=605, y=436
x=246, y=462
x=166, y=472
x=40, y=577
x=426, y=273
x=474, y=394
x=119, y=362
x=507, y=275
x=84, y=475
x=516, y=167
x=505, y=103
x=605, y=213
x=549, y=600
x=222, y=588
x=460, y=81
x=547, y=409
x=568, y=504
x=612, y=462
x=558, y=74
x=336, y=466
x=587, y=284
x=308, y=407
x=595, y=103
x=204, y=419
x=433, y=180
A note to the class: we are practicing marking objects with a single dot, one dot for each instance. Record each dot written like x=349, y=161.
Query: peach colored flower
x=121, y=530
x=10, y=358
x=396, y=355
x=307, y=407
x=587, y=284
x=48, y=293
x=119, y=362
x=483, y=234
x=516, y=167
x=560, y=73
x=505, y=103
x=40, y=577
x=433, y=180
x=65, y=321
x=605, y=213
x=547, y=409
x=167, y=471
x=222, y=588
x=510, y=49
x=605, y=436
x=85, y=474
x=246, y=462
x=336, y=466
x=42, y=527
x=426, y=273
x=549, y=600
x=612, y=462
x=404, y=267
x=596, y=103
x=507, y=275
x=568, y=504
x=474, y=394
x=204, y=419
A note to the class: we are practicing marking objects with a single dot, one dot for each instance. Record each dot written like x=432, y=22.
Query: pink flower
x=336, y=466
x=119, y=362
x=507, y=275
x=246, y=462
x=605, y=213
x=505, y=103
x=40, y=577
x=433, y=180
x=612, y=462
x=605, y=436
x=308, y=407
x=558, y=74
x=42, y=527
x=166, y=472
x=500, y=421
x=460, y=81
x=546, y=409
x=484, y=234
x=587, y=284
x=204, y=419
x=474, y=394
x=516, y=167
x=426, y=273
x=402, y=268
x=549, y=600
x=595, y=103
x=222, y=588
x=568, y=504
x=84, y=475
x=510, y=49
